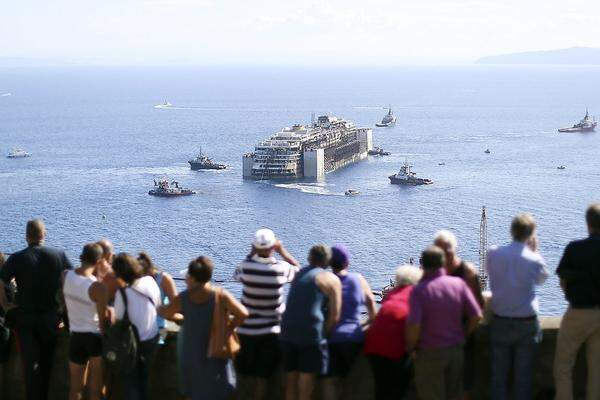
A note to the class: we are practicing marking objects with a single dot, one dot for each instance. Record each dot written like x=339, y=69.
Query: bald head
x=107, y=250
x=35, y=232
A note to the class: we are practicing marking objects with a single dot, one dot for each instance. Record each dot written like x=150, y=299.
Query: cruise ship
x=310, y=151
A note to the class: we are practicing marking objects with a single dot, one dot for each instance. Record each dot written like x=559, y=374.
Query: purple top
x=439, y=304
x=349, y=328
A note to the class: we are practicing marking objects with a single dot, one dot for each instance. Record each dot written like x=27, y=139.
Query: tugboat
x=407, y=177
x=378, y=151
x=18, y=153
x=165, y=104
x=165, y=189
x=204, y=162
x=352, y=192
x=587, y=124
x=388, y=120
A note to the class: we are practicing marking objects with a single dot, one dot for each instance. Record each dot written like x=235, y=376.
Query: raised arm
x=285, y=254
x=472, y=280
x=369, y=299
x=330, y=285
x=237, y=309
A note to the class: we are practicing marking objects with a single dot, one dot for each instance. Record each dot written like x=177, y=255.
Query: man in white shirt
x=514, y=271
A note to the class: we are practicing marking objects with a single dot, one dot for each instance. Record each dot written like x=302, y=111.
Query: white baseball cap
x=264, y=239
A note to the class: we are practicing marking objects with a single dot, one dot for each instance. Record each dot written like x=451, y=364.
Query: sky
x=291, y=32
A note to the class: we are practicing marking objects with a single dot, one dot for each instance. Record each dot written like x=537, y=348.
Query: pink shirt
x=439, y=304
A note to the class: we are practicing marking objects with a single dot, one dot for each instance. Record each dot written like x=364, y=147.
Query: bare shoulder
x=326, y=278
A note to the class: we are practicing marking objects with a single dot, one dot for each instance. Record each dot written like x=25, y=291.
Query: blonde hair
x=522, y=227
x=408, y=275
x=446, y=236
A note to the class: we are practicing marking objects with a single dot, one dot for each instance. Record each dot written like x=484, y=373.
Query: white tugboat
x=18, y=153
x=587, y=124
x=407, y=177
x=165, y=189
x=388, y=120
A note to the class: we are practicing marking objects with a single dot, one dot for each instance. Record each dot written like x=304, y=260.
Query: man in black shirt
x=579, y=272
x=38, y=272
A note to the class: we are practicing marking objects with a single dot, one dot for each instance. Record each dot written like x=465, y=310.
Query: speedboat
x=18, y=153
x=352, y=192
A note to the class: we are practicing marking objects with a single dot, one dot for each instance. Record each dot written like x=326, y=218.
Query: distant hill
x=573, y=56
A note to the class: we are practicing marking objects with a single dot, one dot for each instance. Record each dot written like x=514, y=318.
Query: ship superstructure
x=310, y=151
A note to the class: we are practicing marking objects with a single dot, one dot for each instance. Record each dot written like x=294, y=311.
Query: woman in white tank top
x=85, y=299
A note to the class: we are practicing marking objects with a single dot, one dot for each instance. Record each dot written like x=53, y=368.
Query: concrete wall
x=359, y=383
x=314, y=163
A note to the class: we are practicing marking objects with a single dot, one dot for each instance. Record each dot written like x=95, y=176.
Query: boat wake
x=314, y=188
x=5, y=94
x=369, y=108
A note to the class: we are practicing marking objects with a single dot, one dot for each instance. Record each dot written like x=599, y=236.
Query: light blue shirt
x=514, y=271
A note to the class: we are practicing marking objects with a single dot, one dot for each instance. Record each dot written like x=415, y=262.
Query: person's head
x=407, y=275
x=433, y=258
x=446, y=241
x=91, y=255
x=319, y=255
x=264, y=241
x=127, y=268
x=35, y=232
x=199, y=271
x=592, y=217
x=522, y=227
x=107, y=250
x=340, y=258
x=147, y=264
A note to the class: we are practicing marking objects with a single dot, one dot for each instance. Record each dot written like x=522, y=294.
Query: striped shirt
x=263, y=280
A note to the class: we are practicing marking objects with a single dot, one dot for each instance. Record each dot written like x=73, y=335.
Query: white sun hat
x=264, y=239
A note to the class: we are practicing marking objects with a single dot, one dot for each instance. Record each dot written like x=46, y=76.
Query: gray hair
x=446, y=236
x=408, y=275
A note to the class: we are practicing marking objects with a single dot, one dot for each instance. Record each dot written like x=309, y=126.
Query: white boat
x=165, y=104
x=388, y=120
x=352, y=192
x=18, y=153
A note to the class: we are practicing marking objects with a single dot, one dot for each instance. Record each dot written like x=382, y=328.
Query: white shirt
x=142, y=299
x=514, y=271
x=83, y=316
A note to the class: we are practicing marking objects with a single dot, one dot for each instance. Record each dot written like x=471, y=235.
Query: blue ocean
x=98, y=142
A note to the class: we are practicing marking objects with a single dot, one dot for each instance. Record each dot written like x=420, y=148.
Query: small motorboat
x=352, y=192
x=442, y=163
x=561, y=167
x=18, y=153
x=487, y=151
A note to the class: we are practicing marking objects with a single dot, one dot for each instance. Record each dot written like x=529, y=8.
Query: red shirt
x=386, y=337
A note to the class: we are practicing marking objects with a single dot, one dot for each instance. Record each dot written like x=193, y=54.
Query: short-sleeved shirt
x=262, y=293
x=580, y=269
x=142, y=299
x=514, y=271
x=439, y=304
x=386, y=336
x=38, y=272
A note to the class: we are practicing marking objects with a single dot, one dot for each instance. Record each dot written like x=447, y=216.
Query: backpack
x=120, y=343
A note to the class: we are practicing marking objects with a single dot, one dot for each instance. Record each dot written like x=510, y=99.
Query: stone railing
x=164, y=380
